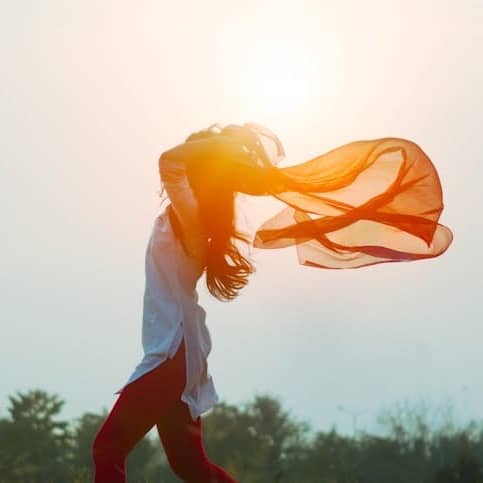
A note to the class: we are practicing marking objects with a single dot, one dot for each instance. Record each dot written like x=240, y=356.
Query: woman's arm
x=222, y=159
x=218, y=147
x=184, y=205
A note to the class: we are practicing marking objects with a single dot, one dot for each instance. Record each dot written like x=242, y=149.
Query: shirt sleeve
x=184, y=205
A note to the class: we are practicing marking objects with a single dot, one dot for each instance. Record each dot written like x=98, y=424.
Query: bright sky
x=93, y=92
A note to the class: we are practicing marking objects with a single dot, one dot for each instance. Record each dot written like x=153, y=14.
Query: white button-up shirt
x=170, y=310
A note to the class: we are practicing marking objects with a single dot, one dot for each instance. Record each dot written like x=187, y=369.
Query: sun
x=277, y=77
x=280, y=90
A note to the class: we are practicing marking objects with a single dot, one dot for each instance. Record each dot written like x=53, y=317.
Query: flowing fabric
x=362, y=203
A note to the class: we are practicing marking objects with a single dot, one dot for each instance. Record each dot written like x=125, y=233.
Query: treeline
x=257, y=443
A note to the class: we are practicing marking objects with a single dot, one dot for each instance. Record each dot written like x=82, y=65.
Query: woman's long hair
x=227, y=269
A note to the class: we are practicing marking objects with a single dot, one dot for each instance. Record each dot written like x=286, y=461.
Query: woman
x=363, y=203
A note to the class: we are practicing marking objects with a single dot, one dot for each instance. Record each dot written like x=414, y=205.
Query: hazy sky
x=93, y=92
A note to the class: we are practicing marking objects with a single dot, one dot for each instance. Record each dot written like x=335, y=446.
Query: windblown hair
x=227, y=269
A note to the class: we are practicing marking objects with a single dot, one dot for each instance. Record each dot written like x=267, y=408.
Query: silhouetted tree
x=254, y=443
x=257, y=442
x=34, y=445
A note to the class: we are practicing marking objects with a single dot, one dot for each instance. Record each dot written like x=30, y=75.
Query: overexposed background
x=91, y=94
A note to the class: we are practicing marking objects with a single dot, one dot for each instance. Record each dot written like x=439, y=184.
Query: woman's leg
x=182, y=441
x=136, y=411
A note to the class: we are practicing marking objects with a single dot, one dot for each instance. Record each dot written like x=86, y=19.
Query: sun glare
x=277, y=77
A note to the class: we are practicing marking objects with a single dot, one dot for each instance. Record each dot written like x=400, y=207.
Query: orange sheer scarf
x=363, y=203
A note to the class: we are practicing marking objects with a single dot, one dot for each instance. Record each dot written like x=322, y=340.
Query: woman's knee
x=104, y=448
x=187, y=460
x=190, y=470
x=99, y=448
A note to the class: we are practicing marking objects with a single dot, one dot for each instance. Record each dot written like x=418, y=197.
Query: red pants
x=155, y=399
